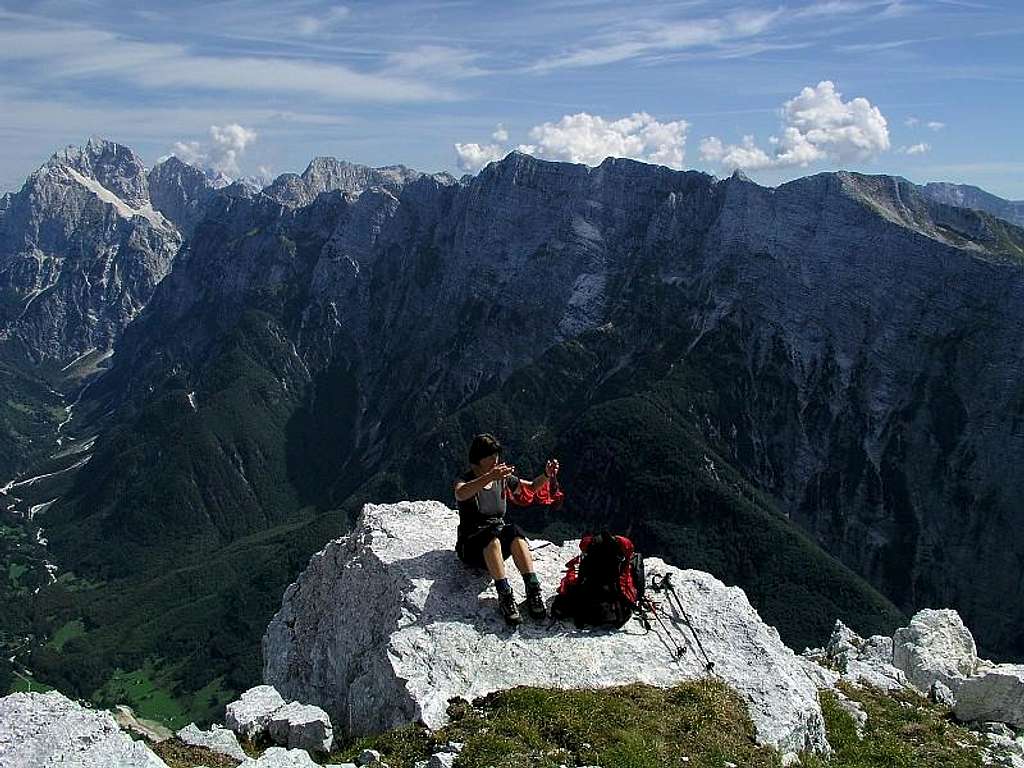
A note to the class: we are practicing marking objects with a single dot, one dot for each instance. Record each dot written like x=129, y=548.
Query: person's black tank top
x=486, y=508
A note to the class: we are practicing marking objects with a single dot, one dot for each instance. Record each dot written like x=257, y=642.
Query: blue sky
x=927, y=90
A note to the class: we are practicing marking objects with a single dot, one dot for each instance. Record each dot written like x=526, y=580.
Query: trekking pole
x=653, y=607
x=679, y=650
x=666, y=583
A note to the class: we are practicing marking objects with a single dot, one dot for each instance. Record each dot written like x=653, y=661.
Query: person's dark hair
x=483, y=445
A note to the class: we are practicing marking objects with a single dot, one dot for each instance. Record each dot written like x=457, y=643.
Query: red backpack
x=603, y=585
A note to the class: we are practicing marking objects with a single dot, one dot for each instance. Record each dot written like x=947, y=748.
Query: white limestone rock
x=996, y=694
x=220, y=740
x=433, y=632
x=999, y=729
x=45, y=730
x=249, y=715
x=873, y=665
x=860, y=662
x=935, y=646
x=856, y=711
x=1003, y=750
x=821, y=676
x=301, y=726
x=843, y=643
x=279, y=757
x=940, y=694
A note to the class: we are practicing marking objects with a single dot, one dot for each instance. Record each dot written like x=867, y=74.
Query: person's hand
x=500, y=472
x=551, y=468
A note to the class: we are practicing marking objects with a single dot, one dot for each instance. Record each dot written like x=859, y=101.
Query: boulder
x=995, y=694
x=843, y=644
x=249, y=715
x=940, y=694
x=872, y=665
x=935, y=646
x=858, y=660
x=220, y=740
x=42, y=730
x=301, y=726
x=432, y=632
x=821, y=676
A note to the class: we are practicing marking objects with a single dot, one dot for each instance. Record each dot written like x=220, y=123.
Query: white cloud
x=62, y=53
x=473, y=157
x=229, y=143
x=911, y=121
x=652, y=39
x=589, y=139
x=190, y=152
x=221, y=156
x=436, y=61
x=585, y=138
x=898, y=8
x=309, y=26
x=833, y=8
x=915, y=149
x=264, y=174
x=885, y=45
x=816, y=125
x=935, y=125
x=744, y=155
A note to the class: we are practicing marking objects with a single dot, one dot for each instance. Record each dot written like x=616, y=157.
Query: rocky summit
x=386, y=625
x=82, y=248
x=40, y=730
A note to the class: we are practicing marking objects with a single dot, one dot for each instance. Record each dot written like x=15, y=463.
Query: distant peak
x=115, y=166
x=175, y=165
x=327, y=164
x=323, y=163
x=518, y=156
x=218, y=179
x=99, y=143
x=96, y=147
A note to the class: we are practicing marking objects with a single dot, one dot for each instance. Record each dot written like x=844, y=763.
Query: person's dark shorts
x=471, y=549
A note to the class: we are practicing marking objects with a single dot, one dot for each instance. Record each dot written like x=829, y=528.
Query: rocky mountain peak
x=82, y=248
x=434, y=634
x=114, y=166
x=180, y=192
x=327, y=174
x=967, y=196
x=174, y=166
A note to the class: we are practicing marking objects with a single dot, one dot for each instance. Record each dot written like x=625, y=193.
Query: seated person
x=485, y=540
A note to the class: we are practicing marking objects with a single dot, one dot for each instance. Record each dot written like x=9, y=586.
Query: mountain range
x=810, y=390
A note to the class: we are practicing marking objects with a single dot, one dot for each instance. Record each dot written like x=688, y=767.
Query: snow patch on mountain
x=146, y=211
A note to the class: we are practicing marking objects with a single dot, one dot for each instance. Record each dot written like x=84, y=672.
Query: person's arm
x=538, y=482
x=469, y=488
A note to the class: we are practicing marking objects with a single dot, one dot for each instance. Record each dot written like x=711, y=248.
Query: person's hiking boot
x=535, y=603
x=509, y=609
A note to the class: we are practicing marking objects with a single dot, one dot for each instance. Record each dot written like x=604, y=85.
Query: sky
x=932, y=91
